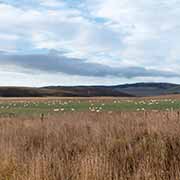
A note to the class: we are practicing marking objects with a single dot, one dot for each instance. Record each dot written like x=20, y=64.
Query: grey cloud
x=54, y=63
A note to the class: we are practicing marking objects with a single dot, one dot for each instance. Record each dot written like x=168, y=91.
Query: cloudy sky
x=89, y=42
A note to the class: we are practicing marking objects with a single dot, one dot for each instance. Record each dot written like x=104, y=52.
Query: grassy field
x=90, y=139
x=53, y=106
x=91, y=146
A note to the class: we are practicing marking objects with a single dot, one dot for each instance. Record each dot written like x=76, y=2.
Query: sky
x=89, y=42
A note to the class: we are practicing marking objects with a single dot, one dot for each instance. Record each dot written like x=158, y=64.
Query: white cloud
x=152, y=26
x=57, y=29
x=52, y=3
x=117, y=33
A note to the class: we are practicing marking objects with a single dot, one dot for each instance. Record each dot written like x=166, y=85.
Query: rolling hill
x=126, y=90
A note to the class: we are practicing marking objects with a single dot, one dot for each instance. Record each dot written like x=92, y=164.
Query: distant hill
x=126, y=90
x=59, y=92
x=149, y=89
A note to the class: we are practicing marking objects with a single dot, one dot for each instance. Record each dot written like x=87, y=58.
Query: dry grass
x=91, y=146
x=101, y=99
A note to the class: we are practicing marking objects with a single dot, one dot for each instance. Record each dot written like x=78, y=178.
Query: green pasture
x=54, y=107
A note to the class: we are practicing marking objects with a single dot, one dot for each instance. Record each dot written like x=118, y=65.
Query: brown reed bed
x=91, y=146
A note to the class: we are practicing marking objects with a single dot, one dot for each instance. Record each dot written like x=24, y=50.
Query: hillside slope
x=60, y=92
x=126, y=90
x=149, y=89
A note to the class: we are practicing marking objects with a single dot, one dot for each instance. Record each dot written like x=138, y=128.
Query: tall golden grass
x=91, y=146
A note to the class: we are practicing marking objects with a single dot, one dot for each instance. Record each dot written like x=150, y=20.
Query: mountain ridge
x=123, y=90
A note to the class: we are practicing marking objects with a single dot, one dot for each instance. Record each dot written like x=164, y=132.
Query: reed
x=91, y=146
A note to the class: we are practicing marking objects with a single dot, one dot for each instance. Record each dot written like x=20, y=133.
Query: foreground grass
x=91, y=146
